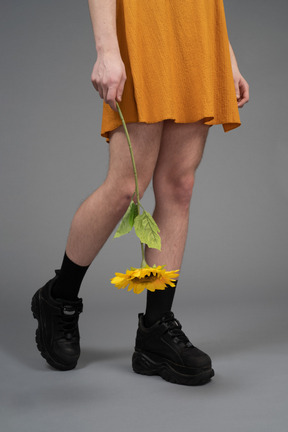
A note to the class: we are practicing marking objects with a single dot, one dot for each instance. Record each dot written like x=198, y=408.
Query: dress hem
x=208, y=120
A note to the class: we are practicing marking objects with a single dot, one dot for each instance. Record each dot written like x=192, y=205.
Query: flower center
x=145, y=279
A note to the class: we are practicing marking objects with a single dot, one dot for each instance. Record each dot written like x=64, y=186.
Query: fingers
x=109, y=80
x=110, y=93
x=120, y=89
x=237, y=89
x=114, y=93
x=242, y=92
x=110, y=97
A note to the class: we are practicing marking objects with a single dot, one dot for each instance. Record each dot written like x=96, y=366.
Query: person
x=173, y=71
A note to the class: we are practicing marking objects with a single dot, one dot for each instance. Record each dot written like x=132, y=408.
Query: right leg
x=57, y=335
x=100, y=212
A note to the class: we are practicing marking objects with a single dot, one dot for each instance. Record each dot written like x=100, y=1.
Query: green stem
x=132, y=155
x=143, y=263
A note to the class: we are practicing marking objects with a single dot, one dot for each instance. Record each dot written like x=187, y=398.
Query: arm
x=108, y=75
x=241, y=85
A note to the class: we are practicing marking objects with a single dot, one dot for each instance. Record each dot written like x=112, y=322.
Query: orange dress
x=176, y=55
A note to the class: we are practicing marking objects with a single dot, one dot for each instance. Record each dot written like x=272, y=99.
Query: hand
x=241, y=88
x=108, y=77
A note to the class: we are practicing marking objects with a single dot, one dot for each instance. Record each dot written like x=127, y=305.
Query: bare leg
x=181, y=150
x=101, y=211
x=162, y=348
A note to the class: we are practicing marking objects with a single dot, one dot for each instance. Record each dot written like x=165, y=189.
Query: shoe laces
x=174, y=329
x=68, y=321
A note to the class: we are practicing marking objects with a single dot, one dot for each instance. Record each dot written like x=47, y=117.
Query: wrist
x=232, y=58
x=107, y=44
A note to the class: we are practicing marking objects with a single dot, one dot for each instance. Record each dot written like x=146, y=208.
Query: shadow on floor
x=90, y=355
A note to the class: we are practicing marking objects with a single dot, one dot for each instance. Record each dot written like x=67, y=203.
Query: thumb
x=237, y=89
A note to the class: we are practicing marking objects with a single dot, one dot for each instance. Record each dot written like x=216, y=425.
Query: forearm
x=241, y=85
x=108, y=75
x=103, y=18
x=232, y=57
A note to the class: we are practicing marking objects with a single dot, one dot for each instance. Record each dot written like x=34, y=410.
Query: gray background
x=233, y=292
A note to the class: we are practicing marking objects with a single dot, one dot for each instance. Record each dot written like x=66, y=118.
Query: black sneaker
x=164, y=349
x=57, y=336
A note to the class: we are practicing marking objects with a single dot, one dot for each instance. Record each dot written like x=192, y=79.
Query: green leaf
x=133, y=213
x=147, y=230
x=127, y=221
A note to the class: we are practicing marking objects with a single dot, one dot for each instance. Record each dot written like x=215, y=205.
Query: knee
x=126, y=189
x=177, y=189
x=181, y=189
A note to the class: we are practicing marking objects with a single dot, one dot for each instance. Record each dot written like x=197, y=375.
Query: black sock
x=69, y=281
x=157, y=303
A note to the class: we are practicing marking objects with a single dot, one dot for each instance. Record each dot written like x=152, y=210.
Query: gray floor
x=248, y=345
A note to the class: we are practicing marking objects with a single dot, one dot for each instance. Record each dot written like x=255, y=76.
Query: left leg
x=162, y=348
x=180, y=154
x=181, y=151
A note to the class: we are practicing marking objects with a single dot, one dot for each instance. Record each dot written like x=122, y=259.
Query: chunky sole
x=144, y=364
x=40, y=341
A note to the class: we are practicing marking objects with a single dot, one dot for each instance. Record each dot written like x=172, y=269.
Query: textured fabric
x=158, y=303
x=176, y=54
x=67, y=285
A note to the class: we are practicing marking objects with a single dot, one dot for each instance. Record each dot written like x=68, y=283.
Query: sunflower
x=151, y=278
